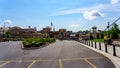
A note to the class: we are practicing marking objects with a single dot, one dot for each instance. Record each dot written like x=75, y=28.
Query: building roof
x=94, y=27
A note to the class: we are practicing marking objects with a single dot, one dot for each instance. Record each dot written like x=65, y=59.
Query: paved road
x=62, y=54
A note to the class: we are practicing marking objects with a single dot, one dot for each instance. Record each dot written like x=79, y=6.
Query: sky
x=73, y=15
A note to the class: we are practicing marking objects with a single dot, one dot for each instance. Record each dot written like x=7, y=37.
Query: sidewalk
x=114, y=59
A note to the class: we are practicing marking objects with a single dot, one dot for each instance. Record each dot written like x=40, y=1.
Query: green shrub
x=27, y=44
x=36, y=42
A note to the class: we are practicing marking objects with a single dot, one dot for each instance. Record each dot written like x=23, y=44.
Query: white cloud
x=7, y=21
x=114, y=1
x=79, y=10
x=88, y=12
x=90, y=15
x=74, y=25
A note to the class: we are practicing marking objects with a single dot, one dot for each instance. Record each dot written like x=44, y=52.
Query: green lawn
x=97, y=40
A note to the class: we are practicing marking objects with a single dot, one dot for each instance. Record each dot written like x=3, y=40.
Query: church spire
x=51, y=23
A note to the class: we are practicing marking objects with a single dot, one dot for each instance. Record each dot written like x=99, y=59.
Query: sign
x=105, y=37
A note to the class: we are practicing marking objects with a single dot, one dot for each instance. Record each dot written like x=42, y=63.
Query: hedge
x=36, y=42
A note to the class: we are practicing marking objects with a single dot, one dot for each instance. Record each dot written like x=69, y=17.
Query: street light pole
x=108, y=29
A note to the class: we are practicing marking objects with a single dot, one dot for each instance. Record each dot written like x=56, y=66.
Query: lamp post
x=108, y=29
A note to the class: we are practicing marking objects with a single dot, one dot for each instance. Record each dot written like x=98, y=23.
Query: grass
x=97, y=40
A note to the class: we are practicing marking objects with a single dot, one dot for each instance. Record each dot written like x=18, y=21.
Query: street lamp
x=108, y=29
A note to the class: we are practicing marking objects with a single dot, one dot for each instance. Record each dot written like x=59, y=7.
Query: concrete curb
x=115, y=60
x=22, y=46
x=33, y=47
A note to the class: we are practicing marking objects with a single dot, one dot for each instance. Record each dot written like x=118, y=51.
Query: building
x=63, y=33
x=94, y=33
x=18, y=32
x=29, y=32
x=4, y=29
x=46, y=31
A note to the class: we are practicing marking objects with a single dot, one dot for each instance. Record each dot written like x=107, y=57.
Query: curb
x=115, y=60
x=22, y=46
x=33, y=47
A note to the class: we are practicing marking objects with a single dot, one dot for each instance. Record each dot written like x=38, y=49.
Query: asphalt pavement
x=61, y=54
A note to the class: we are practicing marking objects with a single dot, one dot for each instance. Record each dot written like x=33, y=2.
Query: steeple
x=51, y=23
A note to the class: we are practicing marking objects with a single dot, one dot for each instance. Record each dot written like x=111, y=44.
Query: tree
x=101, y=35
x=114, y=31
x=114, y=35
x=7, y=35
x=84, y=32
x=98, y=37
x=91, y=37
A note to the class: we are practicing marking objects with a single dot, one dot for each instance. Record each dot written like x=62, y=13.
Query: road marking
x=82, y=58
x=44, y=60
x=22, y=60
x=4, y=63
x=31, y=64
x=73, y=59
x=60, y=63
x=90, y=63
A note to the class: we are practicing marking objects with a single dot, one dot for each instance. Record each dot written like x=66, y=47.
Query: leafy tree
x=84, y=32
x=7, y=35
x=98, y=37
x=101, y=35
x=114, y=31
x=91, y=37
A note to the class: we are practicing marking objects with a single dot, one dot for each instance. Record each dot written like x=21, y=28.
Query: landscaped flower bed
x=37, y=42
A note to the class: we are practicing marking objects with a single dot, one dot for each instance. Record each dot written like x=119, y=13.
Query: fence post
x=95, y=45
x=106, y=48
x=82, y=41
x=92, y=43
x=114, y=50
x=85, y=42
x=99, y=46
x=89, y=42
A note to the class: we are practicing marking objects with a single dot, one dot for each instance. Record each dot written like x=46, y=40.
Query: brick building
x=18, y=32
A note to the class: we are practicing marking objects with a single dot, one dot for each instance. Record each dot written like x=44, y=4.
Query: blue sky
x=70, y=14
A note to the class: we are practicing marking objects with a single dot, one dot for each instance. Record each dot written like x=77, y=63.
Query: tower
x=52, y=26
x=94, y=29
